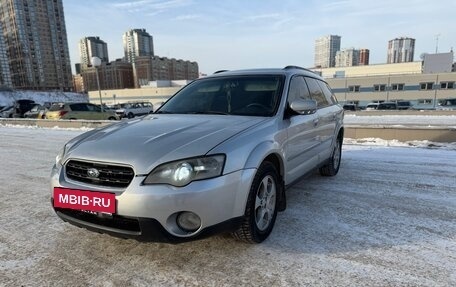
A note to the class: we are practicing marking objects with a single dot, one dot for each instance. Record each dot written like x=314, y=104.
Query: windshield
x=236, y=95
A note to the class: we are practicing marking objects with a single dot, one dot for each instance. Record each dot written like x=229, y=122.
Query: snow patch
x=396, y=143
x=7, y=98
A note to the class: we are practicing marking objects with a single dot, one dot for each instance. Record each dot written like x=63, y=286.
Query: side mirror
x=304, y=107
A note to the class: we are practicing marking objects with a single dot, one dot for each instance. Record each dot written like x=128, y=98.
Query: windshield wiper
x=163, y=112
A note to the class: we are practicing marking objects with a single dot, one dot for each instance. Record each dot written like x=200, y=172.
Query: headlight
x=59, y=157
x=182, y=172
x=63, y=151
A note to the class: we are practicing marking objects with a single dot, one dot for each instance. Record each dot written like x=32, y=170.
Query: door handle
x=315, y=122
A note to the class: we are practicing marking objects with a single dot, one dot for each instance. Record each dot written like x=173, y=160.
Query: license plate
x=85, y=200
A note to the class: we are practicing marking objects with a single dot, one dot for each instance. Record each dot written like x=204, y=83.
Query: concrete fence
x=386, y=132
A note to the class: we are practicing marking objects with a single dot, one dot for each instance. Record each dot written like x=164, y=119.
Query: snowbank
x=8, y=97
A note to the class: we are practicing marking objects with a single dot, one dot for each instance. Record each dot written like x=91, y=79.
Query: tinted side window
x=328, y=93
x=298, y=89
x=316, y=93
x=78, y=107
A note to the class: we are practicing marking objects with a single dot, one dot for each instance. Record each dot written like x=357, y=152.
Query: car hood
x=149, y=141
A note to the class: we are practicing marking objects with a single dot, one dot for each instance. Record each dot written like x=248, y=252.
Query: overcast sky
x=236, y=34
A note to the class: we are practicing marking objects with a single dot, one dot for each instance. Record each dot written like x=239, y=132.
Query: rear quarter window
x=329, y=95
x=316, y=93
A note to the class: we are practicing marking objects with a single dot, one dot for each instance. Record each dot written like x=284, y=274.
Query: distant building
x=93, y=47
x=401, y=50
x=5, y=75
x=35, y=40
x=114, y=75
x=347, y=58
x=423, y=83
x=154, y=68
x=363, y=57
x=325, y=51
x=137, y=43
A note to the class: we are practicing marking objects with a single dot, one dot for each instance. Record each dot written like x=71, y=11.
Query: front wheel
x=332, y=167
x=261, y=208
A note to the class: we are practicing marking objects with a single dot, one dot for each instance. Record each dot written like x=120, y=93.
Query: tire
x=261, y=207
x=111, y=118
x=332, y=167
x=130, y=115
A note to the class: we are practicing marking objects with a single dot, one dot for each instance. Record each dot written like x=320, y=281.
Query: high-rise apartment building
x=325, y=51
x=347, y=58
x=401, y=50
x=137, y=42
x=5, y=76
x=36, y=44
x=363, y=57
x=148, y=68
x=93, y=47
x=113, y=75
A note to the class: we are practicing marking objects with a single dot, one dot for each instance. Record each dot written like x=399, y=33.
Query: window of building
x=397, y=87
x=379, y=88
x=426, y=86
x=446, y=85
x=353, y=89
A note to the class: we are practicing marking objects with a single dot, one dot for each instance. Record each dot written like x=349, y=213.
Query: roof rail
x=220, y=71
x=296, y=67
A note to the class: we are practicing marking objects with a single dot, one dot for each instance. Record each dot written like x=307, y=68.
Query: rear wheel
x=332, y=167
x=130, y=115
x=261, y=208
x=112, y=118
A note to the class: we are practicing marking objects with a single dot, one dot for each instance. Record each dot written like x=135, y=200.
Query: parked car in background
x=37, y=112
x=131, y=110
x=79, y=111
x=7, y=112
x=216, y=157
x=21, y=107
x=350, y=107
x=404, y=105
x=372, y=106
x=447, y=104
x=387, y=106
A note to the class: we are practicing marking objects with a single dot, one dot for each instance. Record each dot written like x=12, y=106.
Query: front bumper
x=148, y=212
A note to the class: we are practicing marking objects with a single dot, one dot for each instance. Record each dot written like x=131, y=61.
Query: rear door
x=327, y=113
x=78, y=111
x=94, y=112
x=301, y=154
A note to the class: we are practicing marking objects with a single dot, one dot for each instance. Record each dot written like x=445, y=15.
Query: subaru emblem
x=93, y=173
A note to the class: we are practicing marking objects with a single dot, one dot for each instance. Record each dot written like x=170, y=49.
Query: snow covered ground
x=7, y=98
x=401, y=120
x=387, y=219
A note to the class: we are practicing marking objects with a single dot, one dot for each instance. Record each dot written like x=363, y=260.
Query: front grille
x=109, y=175
x=116, y=221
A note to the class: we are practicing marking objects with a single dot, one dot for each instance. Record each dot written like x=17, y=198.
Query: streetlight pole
x=96, y=62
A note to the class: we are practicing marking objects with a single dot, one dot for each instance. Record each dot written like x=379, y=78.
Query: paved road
x=387, y=219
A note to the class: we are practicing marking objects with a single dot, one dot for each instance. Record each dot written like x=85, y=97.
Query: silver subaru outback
x=216, y=157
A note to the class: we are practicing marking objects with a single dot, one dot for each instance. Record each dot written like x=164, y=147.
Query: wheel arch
x=268, y=151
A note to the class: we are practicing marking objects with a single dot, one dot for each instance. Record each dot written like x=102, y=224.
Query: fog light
x=188, y=221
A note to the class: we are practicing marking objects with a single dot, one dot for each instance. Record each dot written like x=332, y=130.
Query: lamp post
x=96, y=62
